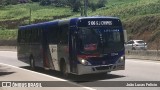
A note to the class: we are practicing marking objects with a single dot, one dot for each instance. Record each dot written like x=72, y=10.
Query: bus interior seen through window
x=100, y=40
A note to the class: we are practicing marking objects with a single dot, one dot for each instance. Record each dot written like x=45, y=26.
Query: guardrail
x=8, y=48
x=143, y=54
x=130, y=54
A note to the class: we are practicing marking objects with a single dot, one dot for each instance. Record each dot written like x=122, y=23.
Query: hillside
x=141, y=18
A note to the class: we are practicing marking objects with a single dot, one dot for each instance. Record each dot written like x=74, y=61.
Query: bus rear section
x=99, y=45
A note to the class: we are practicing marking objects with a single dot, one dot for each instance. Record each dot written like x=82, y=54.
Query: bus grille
x=103, y=67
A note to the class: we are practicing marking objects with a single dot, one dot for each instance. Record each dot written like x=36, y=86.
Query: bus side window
x=22, y=36
x=63, y=34
x=53, y=32
x=36, y=35
x=19, y=36
x=24, y=33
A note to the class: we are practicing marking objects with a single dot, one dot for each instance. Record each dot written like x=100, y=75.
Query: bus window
x=63, y=34
x=52, y=34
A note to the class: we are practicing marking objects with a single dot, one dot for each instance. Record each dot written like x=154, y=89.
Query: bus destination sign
x=99, y=23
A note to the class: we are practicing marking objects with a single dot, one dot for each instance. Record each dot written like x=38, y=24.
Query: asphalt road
x=136, y=70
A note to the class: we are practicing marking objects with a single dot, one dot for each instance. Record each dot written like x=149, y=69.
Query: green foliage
x=12, y=2
x=8, y=2
x=15, y=12
x=140, y=17
x=126, y=9
x=75, y=5
x=35, y=0
x=93, y=6
x=2, y=3
x=8, y=34
x=45, y=2
x=101, y=3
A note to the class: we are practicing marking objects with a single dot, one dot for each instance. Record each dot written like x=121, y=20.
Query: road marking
x=144, y=61
x=59, y=79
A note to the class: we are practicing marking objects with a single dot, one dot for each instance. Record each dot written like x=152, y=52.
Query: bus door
x=72, y=51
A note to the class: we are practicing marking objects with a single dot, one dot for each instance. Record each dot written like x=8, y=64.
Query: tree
x=101, y=3
x=59, y=3
x=35, y=0
x=2, y=3
x=12, y=2
x=93, y=6
x=74, y=4
x=45, y=2
x=24, y=1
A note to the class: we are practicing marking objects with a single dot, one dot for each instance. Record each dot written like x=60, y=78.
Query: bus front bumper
x=100, y=68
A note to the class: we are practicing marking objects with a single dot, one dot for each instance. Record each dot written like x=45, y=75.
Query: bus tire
x=32, y=63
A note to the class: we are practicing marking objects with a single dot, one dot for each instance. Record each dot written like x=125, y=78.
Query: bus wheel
x=32, y=63
x=64, y=70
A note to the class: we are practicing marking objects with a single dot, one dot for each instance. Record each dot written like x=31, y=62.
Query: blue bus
x=84, y=45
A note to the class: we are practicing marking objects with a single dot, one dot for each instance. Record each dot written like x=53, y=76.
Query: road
x=136, y=70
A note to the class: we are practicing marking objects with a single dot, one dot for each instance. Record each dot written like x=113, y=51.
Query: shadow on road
x=76, y=78
x=5, y=71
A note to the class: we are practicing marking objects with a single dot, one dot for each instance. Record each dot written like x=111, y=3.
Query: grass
x=19, y=11
x=8, y=34
x=129, y=8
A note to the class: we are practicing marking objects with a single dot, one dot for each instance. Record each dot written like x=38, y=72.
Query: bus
x=79, y=46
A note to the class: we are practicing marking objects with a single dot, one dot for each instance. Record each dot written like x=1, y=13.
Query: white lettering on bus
x=98, y=23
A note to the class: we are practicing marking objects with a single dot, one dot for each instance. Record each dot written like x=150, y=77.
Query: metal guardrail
x=143, y=54
x=8, y=48
x=130, y=54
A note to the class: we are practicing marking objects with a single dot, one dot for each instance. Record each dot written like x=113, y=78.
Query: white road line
x=143, y=61
x=59, y=79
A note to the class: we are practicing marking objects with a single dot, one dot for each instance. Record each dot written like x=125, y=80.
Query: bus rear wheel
x=32, y=63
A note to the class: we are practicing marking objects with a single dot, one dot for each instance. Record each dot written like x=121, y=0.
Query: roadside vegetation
x=8, y=34
x=141, y=18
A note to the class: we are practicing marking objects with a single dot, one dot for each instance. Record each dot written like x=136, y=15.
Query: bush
x=12, y=2
x=23, y=1
x=101, y=3
x=45, y=2
x=35, y=0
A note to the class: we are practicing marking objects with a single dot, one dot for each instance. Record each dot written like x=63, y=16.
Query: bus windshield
x=100, y=40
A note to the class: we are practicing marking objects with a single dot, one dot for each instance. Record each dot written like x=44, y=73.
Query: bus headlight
x=83, y=61
x=122, y=58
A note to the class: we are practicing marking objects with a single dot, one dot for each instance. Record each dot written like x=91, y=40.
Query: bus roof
x=109, y=17
x=56, y=22
x=39, y=24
